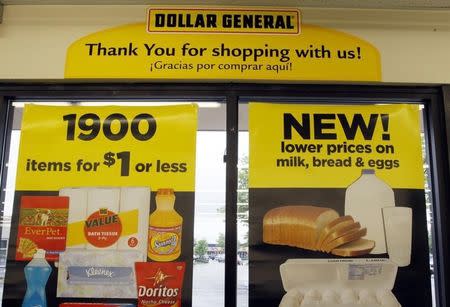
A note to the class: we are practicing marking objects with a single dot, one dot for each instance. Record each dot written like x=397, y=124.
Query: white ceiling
x=375, y=4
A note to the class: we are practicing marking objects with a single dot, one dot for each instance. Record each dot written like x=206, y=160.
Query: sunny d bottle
x=37, y=272
x=165, y=228
x=364, y=200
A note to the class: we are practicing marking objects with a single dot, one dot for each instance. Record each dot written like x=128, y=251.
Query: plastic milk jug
x=165, y=228
x=37, y=272
x=364, y=200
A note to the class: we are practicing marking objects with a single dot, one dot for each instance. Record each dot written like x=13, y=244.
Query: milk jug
x=364, y=200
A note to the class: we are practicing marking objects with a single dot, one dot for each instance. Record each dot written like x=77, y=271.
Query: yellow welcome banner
x=320, y=146
x=72, y=146
x=236, y=45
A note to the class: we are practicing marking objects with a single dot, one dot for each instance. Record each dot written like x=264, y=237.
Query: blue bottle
x=37, y=272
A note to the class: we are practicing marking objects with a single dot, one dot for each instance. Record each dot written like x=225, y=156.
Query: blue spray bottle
x=37, y=272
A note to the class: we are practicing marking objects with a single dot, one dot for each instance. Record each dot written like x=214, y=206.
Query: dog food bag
x=42, y=225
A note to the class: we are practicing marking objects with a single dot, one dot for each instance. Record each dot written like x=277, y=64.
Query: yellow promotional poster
x=328, y=146
x=337, y=202
x=76, y=146
x=223, y=44
x=100, y=189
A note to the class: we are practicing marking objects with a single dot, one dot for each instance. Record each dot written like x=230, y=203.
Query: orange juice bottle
x=165, y=226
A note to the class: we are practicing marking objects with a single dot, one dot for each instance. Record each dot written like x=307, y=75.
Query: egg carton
x=335, y=283
x=340, y=298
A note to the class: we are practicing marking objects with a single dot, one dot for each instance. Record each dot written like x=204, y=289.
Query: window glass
x=209, y=219
x=209, y=226
x=265, y=265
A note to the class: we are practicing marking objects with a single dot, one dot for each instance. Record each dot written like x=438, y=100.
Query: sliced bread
x=355, y=248
x=348, y=237
x=339, y=232
x=332, y=226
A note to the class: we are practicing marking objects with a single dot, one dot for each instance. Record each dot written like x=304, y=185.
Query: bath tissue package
x=108, y=218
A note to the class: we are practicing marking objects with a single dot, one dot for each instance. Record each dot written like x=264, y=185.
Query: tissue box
x=336, y=282
x=99, y=274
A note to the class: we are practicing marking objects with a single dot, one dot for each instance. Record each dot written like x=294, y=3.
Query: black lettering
x=237, y=21
x=171, y=20
x=258, y=21
x=268, y=21
x=289, y=24
x=282, y=162
x=91, y=48
x=183, y=167
x=211, y=20
x=279, y=23
x=247, y=21
x=289, y=122
x=358, y=123
x=319, y=126
x=227, y=21
x=199, y=21
x=101, y=50
x=55, y=166
x=159, y=20
x=67, y=166
x=42, y=166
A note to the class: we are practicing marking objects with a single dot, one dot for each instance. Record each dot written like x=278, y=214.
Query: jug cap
x=165, y=191
x=40, y=254
x=368, y=171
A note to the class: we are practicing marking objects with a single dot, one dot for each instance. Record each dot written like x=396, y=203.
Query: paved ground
x=208, y=285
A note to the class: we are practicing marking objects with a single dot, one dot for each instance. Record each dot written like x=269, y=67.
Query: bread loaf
x=298, y=226
x=315, y=228
x=354, y=248
x=332, y=226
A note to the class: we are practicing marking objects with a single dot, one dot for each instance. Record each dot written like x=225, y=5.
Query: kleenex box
x=338, y=283
x=97, y=274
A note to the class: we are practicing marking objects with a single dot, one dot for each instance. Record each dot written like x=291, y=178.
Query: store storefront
x=229, y=156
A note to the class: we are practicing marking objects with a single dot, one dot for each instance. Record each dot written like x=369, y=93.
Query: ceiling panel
x=380, y=4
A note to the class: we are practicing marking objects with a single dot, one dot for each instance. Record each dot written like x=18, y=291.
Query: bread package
x=298, y=226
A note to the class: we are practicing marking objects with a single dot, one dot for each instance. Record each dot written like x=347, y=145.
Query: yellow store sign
x=223, y=44
x=224, y=20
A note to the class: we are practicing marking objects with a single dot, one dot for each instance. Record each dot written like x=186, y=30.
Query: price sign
x=124, y=157
x=73, y=146
x=92, y=124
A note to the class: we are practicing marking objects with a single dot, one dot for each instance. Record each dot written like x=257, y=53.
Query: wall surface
x=414, y=45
